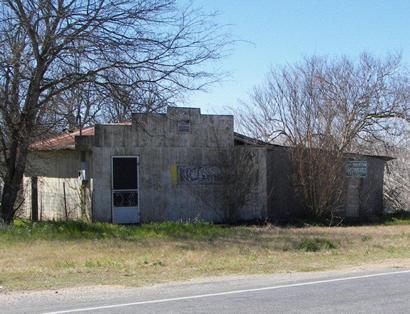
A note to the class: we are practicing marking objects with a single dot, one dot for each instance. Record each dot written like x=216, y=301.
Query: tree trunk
x=16, y=165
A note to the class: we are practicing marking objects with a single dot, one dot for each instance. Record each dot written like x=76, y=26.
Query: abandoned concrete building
x=174, y=166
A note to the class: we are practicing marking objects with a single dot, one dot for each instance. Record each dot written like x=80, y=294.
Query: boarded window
x=184, y=126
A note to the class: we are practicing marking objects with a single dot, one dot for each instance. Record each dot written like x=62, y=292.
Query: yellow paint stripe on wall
x=174, y=175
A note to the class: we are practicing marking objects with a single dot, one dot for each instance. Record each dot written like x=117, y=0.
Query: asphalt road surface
x=386, y=291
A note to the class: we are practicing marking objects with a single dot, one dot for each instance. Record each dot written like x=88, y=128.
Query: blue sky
x=285, y=31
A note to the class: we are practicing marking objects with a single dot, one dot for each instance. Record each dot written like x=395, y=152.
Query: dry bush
x=323, y=109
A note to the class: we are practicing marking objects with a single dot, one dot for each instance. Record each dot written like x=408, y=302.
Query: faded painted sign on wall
x=199, y=174
x=356, y=168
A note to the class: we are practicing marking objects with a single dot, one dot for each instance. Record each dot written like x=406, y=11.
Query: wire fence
x=57, y=199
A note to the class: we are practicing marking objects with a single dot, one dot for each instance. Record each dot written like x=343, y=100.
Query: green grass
x=401, y=217
x=316, y=244
x=60, y=254
x=72, y=230
x=397, y=218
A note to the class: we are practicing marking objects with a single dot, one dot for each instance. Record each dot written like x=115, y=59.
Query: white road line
x=199, y=296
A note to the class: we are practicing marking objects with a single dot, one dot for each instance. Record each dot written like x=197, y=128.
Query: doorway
x=125, y=198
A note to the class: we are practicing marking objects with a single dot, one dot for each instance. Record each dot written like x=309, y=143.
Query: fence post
x=34, y=199
x=65, y=202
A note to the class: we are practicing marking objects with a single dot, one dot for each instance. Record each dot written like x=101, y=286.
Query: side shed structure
x=178, y=165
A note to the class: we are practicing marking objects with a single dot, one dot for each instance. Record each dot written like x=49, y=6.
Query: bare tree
x=397, y=180
x=239, y=177
x=89, y=103
x=52, y=47
x=324, y=108
x=397, y=177
x=77, y=108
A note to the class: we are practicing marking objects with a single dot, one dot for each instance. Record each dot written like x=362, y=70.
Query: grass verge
x=60, y=254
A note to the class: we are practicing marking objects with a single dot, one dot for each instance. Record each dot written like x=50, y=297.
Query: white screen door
x=125, y=207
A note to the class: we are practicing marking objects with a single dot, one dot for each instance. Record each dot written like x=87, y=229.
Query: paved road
x=359, y=292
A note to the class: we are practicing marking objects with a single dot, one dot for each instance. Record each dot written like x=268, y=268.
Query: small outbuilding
x=178, y=165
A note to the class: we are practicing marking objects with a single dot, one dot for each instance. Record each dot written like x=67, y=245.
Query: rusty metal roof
x=62, y=141
x=67, y=140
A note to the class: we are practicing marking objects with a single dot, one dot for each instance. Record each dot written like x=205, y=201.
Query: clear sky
x=285, y=31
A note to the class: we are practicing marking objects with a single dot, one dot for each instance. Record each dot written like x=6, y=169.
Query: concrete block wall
x=159, y=197
x=162, y=148
x=256, y=205
x=54, y=163
x=285, y=200
x=362, y=196
x=155, y=139
x=161, y=130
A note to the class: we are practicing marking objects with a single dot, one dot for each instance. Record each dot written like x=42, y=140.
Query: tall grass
x=71, y=230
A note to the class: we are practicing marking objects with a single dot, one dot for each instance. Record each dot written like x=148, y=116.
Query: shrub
x=315, y=244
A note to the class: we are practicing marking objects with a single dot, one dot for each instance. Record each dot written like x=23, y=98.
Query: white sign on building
x=356, y=168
